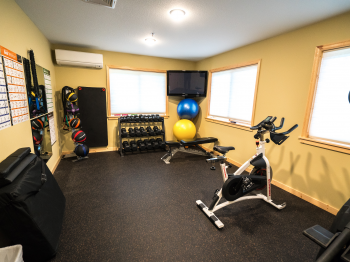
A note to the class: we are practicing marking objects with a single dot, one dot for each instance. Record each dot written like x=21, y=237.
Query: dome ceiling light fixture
x=177, y=14
x=150, y=40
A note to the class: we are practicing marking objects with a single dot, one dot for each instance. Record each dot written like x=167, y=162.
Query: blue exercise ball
x=187, y=109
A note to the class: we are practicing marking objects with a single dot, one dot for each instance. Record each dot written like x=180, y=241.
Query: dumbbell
x=156, y=117
x=155, y=144
x=131, y=132
x=143, y=132
x=137, y=131
x=123, y=132
x=161, y=143
x=141, y=145
x=150, y=131
x=126, y=146
x=127, y=119
x=151, y=118
x=121, y=119
x=148, y=144
x=145, y=118
x=157, y=130
x=161, y=119
x=133, y=146
x=142, y=118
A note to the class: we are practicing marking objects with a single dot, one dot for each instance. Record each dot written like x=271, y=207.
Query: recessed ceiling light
x=150, y=40
x=177, y=14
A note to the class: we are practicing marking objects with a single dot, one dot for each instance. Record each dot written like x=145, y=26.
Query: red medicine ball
x=79, y=136
x=37, y=124
x=37, y=137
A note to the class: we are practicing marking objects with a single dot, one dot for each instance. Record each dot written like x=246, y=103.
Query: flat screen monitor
x=187, y=83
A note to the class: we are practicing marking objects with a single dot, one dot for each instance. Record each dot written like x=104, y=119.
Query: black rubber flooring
x=137, y=208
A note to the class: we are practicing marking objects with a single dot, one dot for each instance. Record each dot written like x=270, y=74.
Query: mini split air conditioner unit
x=79, y=59
x=106, y=3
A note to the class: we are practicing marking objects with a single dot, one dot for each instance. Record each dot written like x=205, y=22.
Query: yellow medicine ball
x=184, y=129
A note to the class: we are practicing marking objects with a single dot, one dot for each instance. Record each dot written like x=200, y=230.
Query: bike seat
x=223, y=149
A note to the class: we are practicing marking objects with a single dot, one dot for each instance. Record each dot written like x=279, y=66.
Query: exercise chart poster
x=16, y=89
x=48, y=90
x=5, y=120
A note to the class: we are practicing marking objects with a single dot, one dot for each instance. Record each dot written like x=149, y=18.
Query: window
x=328, y=112
x=232, y=94
x=136, y=91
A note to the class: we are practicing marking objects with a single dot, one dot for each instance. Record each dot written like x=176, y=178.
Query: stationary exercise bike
x=237, y=185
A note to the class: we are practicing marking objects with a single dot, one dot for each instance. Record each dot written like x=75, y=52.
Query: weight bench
x=188, y=146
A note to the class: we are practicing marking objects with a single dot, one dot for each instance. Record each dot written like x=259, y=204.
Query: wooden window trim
x=110, y=116
x=235, y=125
x=227, y=123
x=305, y=138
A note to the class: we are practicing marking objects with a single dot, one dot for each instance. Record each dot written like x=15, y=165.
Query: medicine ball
x=74, y=123
x=184, y=129
x=37, y=137
x=81, y=150
x=72, y=108
x=37, y=124
x=72, y=97
x=187, y=109
x=79, y=136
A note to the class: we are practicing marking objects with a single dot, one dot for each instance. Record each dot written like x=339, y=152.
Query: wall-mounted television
x=187, y=83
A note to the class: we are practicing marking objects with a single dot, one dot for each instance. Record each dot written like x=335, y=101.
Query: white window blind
x=232, y=93
x=134, y=92
x=330, y=117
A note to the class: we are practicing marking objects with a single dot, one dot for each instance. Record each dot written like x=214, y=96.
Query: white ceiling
x=209, y=28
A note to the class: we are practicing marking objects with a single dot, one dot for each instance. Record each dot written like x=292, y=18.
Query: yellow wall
x=19, y=34
x=285, y=75
x=74, y=77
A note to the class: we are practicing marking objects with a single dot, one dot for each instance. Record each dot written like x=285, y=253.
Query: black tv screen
x=187, y=83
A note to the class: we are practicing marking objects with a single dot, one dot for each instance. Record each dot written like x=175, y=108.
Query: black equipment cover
x=31, y=206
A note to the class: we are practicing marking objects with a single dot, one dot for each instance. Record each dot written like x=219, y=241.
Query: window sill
x=239, y=126
x=334, y=146
x=117, y=117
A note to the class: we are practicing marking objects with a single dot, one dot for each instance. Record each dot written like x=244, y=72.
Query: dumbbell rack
x=127, y=125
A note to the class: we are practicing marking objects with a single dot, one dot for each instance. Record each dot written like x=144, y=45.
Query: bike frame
x=215, y=204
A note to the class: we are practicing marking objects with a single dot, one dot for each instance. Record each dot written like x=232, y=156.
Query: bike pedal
x=215, y=193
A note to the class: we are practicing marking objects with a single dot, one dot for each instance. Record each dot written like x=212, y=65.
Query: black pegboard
x=93, y=115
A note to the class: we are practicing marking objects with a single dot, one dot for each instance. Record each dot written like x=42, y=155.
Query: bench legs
x=196, y=150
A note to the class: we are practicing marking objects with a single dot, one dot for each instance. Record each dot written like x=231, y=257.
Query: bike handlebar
x=281, y=124
x=267, y=125
x=290, y=130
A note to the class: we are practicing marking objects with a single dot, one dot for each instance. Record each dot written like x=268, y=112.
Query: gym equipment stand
x=127, y=125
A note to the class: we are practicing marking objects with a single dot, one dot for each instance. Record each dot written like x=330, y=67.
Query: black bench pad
x=198, y=141
x=172, y=143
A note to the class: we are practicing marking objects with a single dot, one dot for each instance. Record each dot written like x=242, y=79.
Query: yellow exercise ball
x=184, y=129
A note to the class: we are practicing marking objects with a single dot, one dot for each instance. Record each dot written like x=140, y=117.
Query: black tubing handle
x=290, y=130
x=281, y=124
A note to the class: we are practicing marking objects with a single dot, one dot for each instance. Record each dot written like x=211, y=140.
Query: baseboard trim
x=289, y=189
x=98, y=150
x=306, y=197
x=56, y=165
